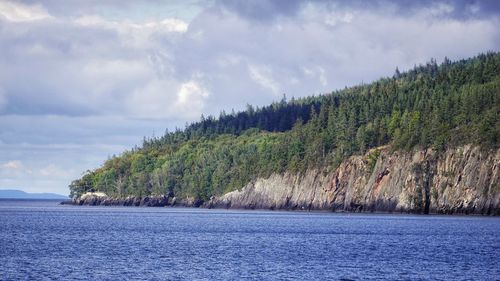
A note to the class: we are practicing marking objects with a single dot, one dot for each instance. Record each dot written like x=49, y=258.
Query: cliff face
x=464, y=180
x=460, y=180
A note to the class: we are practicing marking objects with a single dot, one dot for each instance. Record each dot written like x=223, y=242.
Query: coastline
x=172, y=202
x=462, y=180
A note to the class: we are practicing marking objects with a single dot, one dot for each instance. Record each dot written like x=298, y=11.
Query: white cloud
x=153, y=100
x=136, y=34
x=262, y=75
x=13, y=165
x=108, y=78
x=168, y=24
x=140, y=35
x=54, y=171
x=228, y=60
x=174, y=25
x=18, y=12
x=166, y=98
x=191, y=98
x=334, y=19
x=160, y=60
x=307, y=71
x=94, y=20
x=14, y=169
x=322, y=76
x=318, y=73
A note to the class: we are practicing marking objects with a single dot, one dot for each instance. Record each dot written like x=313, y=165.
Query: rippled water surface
x=41, y=240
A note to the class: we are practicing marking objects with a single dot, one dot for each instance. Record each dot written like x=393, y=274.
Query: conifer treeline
x=429, y=106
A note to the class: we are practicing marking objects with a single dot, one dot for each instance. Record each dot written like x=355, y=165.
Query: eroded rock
x=461, y=180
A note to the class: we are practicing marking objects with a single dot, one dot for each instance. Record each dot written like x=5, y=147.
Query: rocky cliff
x=459, y=180
x=463, y=180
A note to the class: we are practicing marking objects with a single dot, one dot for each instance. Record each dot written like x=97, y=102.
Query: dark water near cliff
x=40, y=240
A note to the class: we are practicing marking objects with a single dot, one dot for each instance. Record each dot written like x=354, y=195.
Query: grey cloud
x=60, y=130
x=121, y=9
x=265, y=10
x=462, y=9
x=41, y=65
x=361, y=48
x=77, y=68
x=262, y=9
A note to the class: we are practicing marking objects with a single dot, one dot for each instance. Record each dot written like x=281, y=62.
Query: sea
x=43, y=240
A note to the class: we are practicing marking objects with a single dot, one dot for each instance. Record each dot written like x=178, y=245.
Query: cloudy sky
x=82, y=80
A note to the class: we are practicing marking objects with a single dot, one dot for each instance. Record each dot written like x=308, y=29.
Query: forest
x=429, y=106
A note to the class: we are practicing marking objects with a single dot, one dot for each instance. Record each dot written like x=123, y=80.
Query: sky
x=83, y=80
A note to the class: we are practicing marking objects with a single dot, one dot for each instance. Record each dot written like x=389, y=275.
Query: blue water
x=41, y=240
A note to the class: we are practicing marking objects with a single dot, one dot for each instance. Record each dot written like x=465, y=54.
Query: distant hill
x=19, y=194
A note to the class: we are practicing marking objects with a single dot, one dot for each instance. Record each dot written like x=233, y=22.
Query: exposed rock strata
x=461, y=180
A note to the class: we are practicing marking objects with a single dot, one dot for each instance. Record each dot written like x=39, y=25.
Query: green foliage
x=428, y=106
x=372, y=159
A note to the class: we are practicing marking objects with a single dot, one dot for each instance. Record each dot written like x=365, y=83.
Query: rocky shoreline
x=215, y=203
x=463, y=180
x=95, y=199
